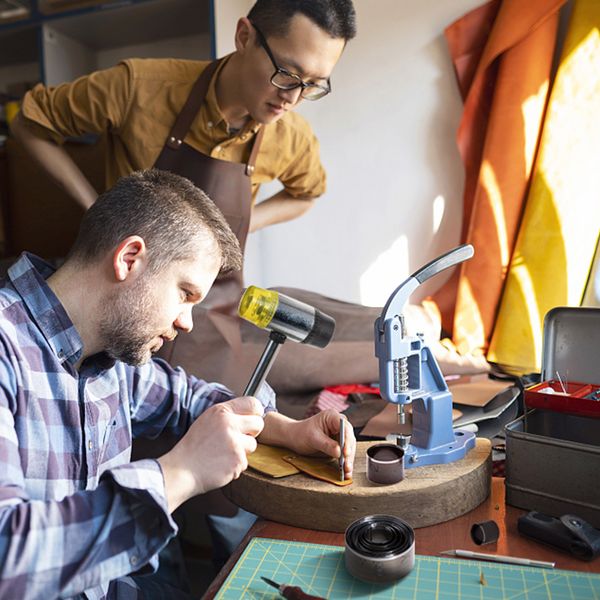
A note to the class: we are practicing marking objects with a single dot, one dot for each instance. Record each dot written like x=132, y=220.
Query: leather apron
x=216, y=333
x=222, y=347
x=226, y=183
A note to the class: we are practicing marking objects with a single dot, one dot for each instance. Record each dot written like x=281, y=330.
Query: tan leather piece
x=325, y=469
x=268, y=460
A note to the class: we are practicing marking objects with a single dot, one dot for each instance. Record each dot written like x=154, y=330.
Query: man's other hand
x=214, y=450
x=317, y=434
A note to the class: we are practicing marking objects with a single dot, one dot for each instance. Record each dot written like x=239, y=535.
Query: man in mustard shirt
x=285, y=52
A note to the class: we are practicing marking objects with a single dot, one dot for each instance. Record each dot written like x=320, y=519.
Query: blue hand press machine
x=409, y=373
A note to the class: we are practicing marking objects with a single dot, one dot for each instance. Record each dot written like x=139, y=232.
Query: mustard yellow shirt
x=136, y=103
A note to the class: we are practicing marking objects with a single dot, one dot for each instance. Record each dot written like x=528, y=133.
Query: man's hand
x=213, y=451
x=317, y=434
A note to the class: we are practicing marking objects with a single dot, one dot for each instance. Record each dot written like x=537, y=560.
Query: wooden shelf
x=18, y=46
x=58, y=41
x=124, y=25
x=103, y=25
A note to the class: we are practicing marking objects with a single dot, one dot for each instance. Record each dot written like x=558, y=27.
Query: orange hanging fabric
x=502, y=53
x=557, y=239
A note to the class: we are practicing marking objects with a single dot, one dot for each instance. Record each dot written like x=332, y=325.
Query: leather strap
x=192, y=105
x=254, y=152
x=190, y=109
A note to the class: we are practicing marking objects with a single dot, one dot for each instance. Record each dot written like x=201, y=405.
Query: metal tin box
x=552, y=458
x=553, y=464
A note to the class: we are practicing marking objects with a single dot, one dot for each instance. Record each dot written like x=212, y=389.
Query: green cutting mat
x=320, y=570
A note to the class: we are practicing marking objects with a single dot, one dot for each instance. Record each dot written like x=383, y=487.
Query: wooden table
x=431, y=540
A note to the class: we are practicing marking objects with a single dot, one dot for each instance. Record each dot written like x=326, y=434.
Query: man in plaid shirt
x=77, y=384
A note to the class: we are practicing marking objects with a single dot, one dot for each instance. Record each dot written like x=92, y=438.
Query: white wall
x=64, y=57
x=387, y=134
x=227, y=13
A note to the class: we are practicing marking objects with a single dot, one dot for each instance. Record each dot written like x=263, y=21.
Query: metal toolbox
x=553, y=458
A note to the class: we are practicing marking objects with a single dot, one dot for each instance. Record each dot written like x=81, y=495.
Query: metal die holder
x=385, y=464
x=379, y=548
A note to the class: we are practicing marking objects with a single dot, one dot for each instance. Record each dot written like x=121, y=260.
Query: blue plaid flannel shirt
x=75, y=513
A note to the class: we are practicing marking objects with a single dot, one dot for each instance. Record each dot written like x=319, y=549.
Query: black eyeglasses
x=284, y=80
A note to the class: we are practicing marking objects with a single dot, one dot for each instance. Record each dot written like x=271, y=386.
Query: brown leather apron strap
x=192, y=105
x=254, y=152
x=190, y=110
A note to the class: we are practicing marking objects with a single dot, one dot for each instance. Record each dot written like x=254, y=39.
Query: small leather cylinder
x=486, y=532
x=385, y=464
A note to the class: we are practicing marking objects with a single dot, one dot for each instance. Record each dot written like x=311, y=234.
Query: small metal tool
x=510, y=560
x=342, y=459
x=291, y=592
x=562, y=385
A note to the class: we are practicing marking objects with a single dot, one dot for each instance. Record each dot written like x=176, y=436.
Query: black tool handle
x=293, y=592
x=265, y=362
x=569, y=533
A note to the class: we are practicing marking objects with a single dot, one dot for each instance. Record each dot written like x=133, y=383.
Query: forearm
x=61, y=548
x=55, y=162
x=278, y=431
x=277, y=209
x=180, y=482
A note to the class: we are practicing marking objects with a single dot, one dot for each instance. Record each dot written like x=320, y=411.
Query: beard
x=126, y=329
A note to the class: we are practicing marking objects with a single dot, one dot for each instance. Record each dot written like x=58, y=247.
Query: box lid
x=571, y=344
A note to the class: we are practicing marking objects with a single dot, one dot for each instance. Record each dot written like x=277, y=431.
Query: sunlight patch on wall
x=385, y=274
x=439, y=208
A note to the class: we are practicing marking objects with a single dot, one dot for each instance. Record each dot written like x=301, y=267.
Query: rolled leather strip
x=385, y=464
x=379, y=548
x=486, y=532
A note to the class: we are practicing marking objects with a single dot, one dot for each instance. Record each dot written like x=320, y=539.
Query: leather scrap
x=268, y=460
x=325, y=469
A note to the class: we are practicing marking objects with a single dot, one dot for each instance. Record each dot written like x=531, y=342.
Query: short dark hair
x=168, y=211
x=336, y=17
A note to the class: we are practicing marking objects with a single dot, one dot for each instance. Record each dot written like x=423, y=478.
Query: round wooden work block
x=426, y=496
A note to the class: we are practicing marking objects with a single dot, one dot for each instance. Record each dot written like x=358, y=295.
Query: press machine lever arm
x=397, y=300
